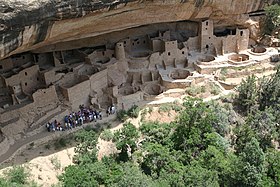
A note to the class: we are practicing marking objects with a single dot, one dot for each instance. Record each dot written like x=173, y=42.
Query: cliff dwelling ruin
x=122, y=67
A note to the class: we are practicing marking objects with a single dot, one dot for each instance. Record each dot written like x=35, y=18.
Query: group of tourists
x=75, y=119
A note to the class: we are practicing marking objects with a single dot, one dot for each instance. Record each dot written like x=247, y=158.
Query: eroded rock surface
x=35, y=24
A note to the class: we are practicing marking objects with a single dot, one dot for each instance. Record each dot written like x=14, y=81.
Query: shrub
x=55, y=162
x=134, y=111
x=193, y=90
x=17, y=175
x=203, y=89
x=89, y=127
x=60, y=143
x=214, y=90
x=122, y=115
x=47, y=146
x=272, y=20
x=177, y=108
x=150, y=110
x=107, y=135
x=166, y=107
x=224, y=71
x=247, y=94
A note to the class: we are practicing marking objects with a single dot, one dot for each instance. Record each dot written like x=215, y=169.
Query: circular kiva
x=258, y=49
x=153, y=89
x=179, y=74
x=205, y=59
x=238, y=57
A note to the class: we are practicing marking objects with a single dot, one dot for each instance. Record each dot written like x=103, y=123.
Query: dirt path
x=44, y=134
x=16, y=146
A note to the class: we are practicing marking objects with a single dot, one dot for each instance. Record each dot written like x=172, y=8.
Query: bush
x=272, y=20
x=60, y=143
x=56, y=163
x=47, y=146
x=176, y=108
x=203, y=89
x=17, y=175
x=166, y=107
x=214, y=90
x=194, y=90
x=107, y=135
x=122, y=115
x=247, y=95
x=89, y=127
x=133, y=112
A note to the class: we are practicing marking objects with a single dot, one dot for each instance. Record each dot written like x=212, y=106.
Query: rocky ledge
x=32, y=24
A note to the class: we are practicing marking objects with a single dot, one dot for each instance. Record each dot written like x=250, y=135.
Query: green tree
x=17, y=175
x=156, y=132
x=244, y=133
x=197, y=176
x=161, y=162
x=273, y=166
x=252, y=164
x=269, y=94
x=192, y=125
x=125, y=140
x=78, y=175
x=132, y=176
x=224, y=117
x=264, y=125
x=272, y=20
x=247, y=94
x=86, y=151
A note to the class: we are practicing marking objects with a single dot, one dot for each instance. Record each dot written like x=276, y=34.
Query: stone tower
x=119, y=50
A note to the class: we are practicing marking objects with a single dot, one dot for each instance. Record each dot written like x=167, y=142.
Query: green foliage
x=125, y=139
x=16, y=176
x=122, y=115
x=198, y=176
x=193, y=150
x=272, y=20
x=107, y=135
x=78, y=175
x=224, y=117
x=269, y=94
x=133, y=112
x=195, y=90
x=56, y=163
x=247, y=94
x=264, y=125
x=214, y=89
x=156, y=132
x=251, y=164
x=244, y=133
x=132, y=176
x=192, y=125
x=224, y=71
x=166, y=107
x=86, y=149
x=273, y=167
x=60, y=143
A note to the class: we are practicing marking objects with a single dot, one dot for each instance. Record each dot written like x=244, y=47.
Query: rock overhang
x=30, y=25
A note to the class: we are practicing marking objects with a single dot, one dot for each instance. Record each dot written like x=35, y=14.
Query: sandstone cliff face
x=31, y=24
